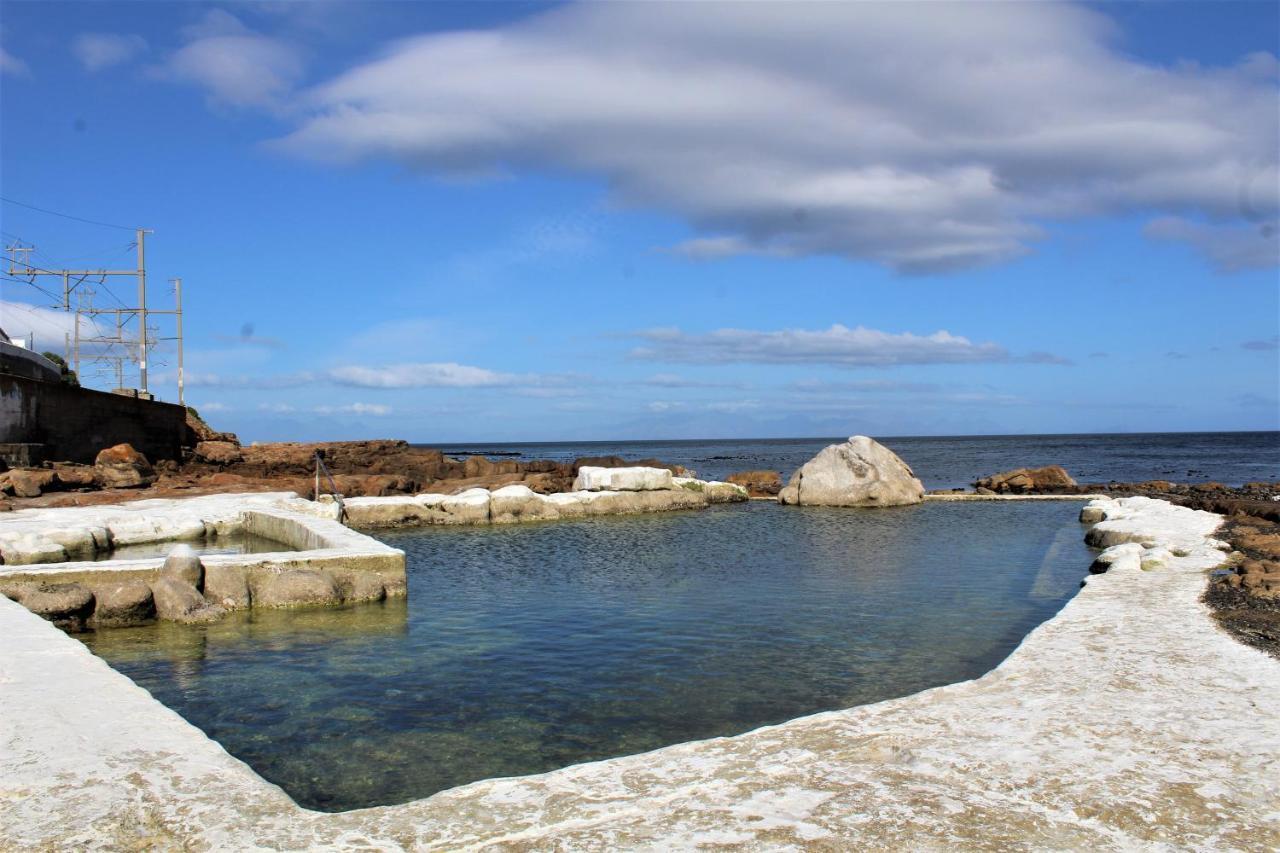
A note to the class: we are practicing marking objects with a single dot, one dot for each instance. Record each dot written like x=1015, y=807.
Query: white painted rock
x=515, y=503
x=635, y=479
x=860, y=472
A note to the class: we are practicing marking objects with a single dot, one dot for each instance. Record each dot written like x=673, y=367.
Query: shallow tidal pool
x=526, y=648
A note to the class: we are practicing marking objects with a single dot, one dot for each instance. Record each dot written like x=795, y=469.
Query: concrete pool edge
x=1127, y=719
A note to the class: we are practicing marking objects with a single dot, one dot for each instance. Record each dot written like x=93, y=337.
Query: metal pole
x=177, y=296
x=77, y=349
x=142, y=311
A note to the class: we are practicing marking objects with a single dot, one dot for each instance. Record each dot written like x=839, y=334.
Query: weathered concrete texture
x=333, y=564
x=73, y=424
x=633, y=490
x=1129, y=721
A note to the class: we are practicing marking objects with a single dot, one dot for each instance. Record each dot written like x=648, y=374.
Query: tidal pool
x=526, y=648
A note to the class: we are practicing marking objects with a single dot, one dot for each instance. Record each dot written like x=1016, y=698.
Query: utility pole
x=177, y=316
x=142, y=310
x=20, y=265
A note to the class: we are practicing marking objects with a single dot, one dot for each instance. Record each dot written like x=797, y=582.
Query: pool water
x=526, y=648
x=228, y=543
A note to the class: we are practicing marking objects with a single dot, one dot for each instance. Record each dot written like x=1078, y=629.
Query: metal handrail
x=333, y=487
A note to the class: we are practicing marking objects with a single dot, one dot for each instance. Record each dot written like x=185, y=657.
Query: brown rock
x=122, y=467
x=227, y=586
x=29, y=482
x=296, y=588
x=1023, y=480
x=362, y=586
x=758, y=484
x=182, y=564
x=178, y=601
x=68, y=475
x=218, y=452
x=67, y=605
x=123, y=603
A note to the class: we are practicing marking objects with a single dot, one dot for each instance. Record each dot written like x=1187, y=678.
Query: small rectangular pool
x=237, y=542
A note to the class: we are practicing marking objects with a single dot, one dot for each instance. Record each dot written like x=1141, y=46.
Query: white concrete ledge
x=1128, y=721
x=634, y=490
x=50, y=545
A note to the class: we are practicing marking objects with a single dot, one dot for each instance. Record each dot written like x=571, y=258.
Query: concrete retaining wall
x=73, y=424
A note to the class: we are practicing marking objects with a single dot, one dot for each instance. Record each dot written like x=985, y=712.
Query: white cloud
x=421, y=375
x=375, y=409
x=102, y=50
x=10, y=64
x=922, y=136
x=234, y=64
x=49, y=326
x=1231, y=248
x=838, y=345
x=817, y=386
x=201, y=379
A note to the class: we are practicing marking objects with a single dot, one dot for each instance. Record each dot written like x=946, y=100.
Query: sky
x=495, y=221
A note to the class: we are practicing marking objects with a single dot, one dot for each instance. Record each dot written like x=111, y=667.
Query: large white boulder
x=859, y=472
x=636, y=479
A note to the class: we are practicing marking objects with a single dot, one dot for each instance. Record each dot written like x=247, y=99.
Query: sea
x=948, y=462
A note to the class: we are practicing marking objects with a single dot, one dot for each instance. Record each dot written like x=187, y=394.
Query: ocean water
x=952, y=462
x=526, y=648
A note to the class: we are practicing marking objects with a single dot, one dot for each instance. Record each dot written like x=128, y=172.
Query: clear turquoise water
x=229, y=543
x=522, y=649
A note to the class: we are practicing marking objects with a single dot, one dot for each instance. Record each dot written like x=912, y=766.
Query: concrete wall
x=73, y=424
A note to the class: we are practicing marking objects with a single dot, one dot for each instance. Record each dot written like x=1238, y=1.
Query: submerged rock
x=227, y=586
x=859, y=472
x=296, y=588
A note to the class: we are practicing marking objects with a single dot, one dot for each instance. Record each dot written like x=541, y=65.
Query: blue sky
x=452, y=222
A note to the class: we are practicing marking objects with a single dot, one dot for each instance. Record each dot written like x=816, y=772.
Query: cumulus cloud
x=235, y=65
x=838, y=345
x=1230, y=248
x=1265, y=345
x=421, y=375
x=924, y=138
x=10, y=64
x=103, y=50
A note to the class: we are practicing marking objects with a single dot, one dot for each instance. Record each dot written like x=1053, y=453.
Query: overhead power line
x=66, y=215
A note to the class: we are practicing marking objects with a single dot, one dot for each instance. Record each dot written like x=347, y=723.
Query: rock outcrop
x=122, y=467
x=1050, y=478
x=759, y=484
x=859, y=472
x=218, y=452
